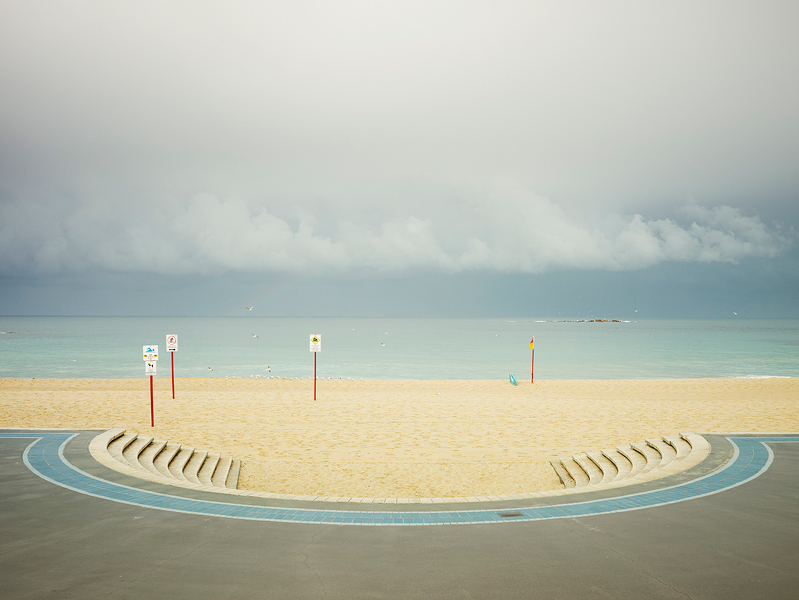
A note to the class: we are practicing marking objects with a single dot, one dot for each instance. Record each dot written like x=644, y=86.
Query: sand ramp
x=636, y=463
x=165, y=462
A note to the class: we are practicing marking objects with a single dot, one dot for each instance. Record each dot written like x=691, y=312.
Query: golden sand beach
x=403, y=438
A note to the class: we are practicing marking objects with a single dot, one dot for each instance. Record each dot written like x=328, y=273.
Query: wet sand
x=403, y=438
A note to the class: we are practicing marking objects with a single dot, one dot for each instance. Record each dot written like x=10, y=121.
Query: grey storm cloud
x=209, y=235
x=184, y=137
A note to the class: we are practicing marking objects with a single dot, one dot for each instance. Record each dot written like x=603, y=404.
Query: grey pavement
x=57, y=543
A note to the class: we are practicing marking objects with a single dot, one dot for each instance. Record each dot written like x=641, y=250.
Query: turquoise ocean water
x=399, y=348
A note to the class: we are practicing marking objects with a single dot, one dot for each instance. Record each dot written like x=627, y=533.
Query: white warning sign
x=171, y=343
x=316, y=342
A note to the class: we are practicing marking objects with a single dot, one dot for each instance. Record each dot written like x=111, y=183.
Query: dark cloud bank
x=566, y=159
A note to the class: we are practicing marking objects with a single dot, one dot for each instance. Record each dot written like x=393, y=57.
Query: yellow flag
x=531, y=343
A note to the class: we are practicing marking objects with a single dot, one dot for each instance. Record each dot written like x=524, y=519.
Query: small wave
x=763, y=377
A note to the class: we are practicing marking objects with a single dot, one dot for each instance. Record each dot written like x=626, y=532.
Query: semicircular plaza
x=45, y=456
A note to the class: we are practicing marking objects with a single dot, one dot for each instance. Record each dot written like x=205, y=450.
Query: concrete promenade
x=726, y=528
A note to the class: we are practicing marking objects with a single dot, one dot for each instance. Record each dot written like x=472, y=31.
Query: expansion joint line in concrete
x=45, y=457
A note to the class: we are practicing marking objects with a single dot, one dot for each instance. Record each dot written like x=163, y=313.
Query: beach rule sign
x=150, y=358
x=316, y=342
x=172, y=347
x=171, y=343
x=316, y=346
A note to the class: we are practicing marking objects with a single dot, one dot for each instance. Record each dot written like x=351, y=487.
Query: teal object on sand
x=512, y=378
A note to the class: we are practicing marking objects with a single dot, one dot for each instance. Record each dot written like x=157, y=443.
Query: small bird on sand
x=248, y=307
x=255, y=336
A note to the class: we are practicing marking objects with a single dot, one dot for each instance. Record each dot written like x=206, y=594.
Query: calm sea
x=398, y=348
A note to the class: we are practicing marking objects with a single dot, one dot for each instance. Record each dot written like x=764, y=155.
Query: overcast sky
x=399, y=157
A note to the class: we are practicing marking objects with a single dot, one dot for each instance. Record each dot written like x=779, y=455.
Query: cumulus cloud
x=508, y=232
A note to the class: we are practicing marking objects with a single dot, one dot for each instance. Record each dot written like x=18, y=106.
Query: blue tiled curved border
x=45, y=457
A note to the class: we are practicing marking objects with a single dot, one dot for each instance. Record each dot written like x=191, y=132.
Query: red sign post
x=149, y=368
x=316, y=346
x=532, y=364
x=172, y=347
x=150, y=361
x=152, y=405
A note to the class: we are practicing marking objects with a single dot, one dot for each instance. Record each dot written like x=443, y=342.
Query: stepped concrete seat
x=593, y=472
x=576, y=472
x=621, y=462
x=178, y=464
x=566, y=479
x=118, y=445
x=194, y=465
x=232, y=479
x=207, y=469
x=652, y=456
x=131, y=453
x=681, y=447
x=698, y=443
x=161, y=462
x=667, y=452
x=608, y=469
x=147, y=456
x=637, y=460
x=219, y=477
x=636, y=463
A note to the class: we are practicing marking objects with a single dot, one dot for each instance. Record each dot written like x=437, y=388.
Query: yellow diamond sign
x=316, y=342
